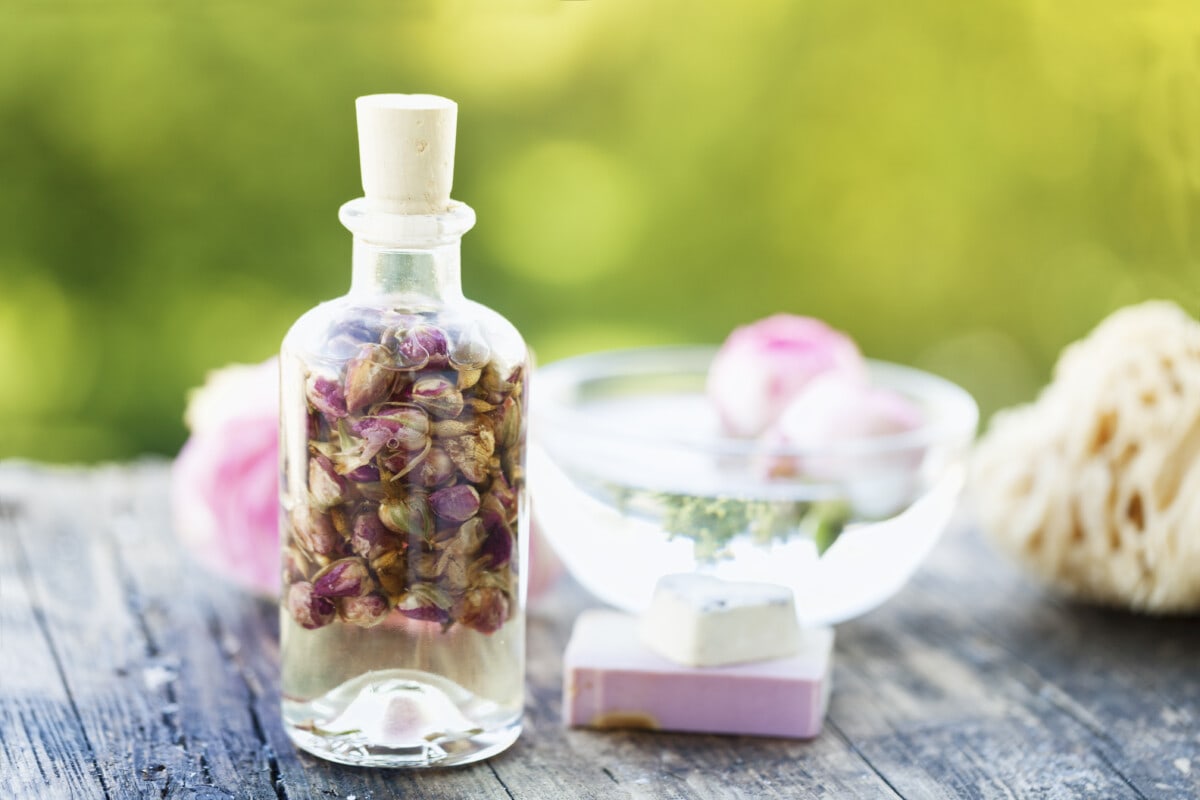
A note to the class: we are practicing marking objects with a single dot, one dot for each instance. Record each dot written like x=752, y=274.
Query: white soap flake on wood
x=157, y=676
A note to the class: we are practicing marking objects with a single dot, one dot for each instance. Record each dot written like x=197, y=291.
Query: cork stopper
x=406, y=148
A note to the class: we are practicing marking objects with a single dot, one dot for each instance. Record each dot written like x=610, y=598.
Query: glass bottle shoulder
x=335, y=331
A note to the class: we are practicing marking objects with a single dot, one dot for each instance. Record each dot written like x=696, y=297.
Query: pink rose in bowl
x=225, y=481
x=835, y=410
x=765, y=365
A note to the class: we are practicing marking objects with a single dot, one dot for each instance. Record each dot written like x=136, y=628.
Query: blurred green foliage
x=964, y=186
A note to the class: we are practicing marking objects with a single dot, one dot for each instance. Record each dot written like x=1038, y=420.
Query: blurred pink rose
x=834, y=408
x=763, y=366
x=224, y=484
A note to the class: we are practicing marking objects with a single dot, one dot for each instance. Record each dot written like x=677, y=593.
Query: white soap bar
x=701, y=621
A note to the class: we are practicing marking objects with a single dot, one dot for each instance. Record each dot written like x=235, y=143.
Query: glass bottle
x=405, y=522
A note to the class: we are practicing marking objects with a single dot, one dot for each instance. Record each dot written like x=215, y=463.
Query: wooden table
x=127, y=672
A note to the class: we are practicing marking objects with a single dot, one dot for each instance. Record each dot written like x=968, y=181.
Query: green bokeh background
x=963, y=186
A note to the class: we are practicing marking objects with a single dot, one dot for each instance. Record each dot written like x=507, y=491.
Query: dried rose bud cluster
x=415, y=467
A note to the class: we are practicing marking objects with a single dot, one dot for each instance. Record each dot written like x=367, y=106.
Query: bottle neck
x=413, y=255
x=427, y=274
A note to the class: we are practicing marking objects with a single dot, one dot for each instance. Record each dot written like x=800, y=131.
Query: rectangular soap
x=610, y=680
x=701, y=621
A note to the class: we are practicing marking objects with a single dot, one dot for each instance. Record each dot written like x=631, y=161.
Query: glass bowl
x=632, y=479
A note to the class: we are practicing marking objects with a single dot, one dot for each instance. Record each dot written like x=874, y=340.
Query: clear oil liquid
x=404, y=693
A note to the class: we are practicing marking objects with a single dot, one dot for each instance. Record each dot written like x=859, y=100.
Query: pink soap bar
x=611, y=681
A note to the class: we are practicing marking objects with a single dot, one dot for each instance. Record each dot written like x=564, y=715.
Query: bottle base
x=400, y=718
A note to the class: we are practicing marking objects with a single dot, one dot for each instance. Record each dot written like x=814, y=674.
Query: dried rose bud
x=307, y=608
x=326, y=396
x=472, y=453
x=508, y=422
x=453, y=428
x=391, y=570
x=423, y=565
x=375, y=492
x=484, y=609
x=455, y=503
x=366, y=611
x=364, y=474
x=504, y=494
x=438, y=396
x=295, y=565
x=499, y=543
x=453, y=575
x=478, y=406
x=369, y=377
x=495, y=388
x=513, y=466
x=325, y=486
x=341, y=520
x=492, y=383
x=370, y=539
x=436, y=469
x=446, y=530
x=470, y=350
x=313, y=530
x=457, y=552
x=424, y=601
x=421, y=346
x=346, y=577
x=399, y=427
x=467, y=378
x=516, y=380
x=407, y=515
x=429, y=613
x=399, y=464
x=470, y=536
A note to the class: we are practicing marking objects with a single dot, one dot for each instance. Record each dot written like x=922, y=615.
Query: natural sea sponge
x=1096, y=485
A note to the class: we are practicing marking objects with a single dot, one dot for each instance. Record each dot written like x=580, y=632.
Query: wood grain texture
x=127, y=671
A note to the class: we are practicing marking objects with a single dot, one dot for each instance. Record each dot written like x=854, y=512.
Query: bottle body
x=404, y=525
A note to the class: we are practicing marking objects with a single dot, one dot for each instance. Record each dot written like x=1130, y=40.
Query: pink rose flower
x=764, y=366
x=834, y=409
x=225, y=481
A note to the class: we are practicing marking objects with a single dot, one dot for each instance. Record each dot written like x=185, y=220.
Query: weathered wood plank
x=127, y=672
x=1019, y=694
x=122, y=651
x=42, y=742
x=1130, y=682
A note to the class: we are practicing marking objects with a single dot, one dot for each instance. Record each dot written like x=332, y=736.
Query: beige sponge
x=1096, y=485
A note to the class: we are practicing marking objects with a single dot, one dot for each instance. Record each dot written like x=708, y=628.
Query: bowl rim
x=558, y=382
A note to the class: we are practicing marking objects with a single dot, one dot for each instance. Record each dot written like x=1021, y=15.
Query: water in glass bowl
x=632, y=479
